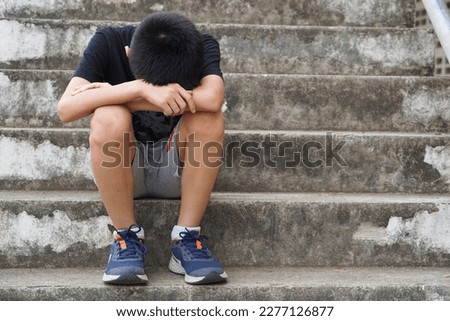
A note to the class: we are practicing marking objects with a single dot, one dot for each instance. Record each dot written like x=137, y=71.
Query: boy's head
x=167, y=48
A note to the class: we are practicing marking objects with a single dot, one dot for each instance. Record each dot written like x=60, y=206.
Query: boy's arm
x=73, y=107
x=81, y=98
x=209, y=96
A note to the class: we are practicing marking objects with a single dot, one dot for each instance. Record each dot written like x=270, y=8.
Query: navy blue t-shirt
x=104, y=60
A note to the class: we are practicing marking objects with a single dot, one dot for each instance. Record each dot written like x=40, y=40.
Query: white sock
x=178, y=229
x=135, y=229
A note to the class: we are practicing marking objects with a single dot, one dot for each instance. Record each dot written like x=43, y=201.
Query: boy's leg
x=200, y=140
x=112, y=149
x=109, y=126
x=197, y=132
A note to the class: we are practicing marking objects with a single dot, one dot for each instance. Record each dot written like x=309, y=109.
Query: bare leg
x=110, y=126
x=199, y=131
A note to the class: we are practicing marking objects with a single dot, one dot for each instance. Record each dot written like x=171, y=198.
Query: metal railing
x=440, y=19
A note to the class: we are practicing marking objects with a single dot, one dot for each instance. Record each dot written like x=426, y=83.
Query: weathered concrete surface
x=392, y=13
x=33, y=159
x=256, y=231
x=48, y=229
x=40, y=45
x=282, y=102
x=255, y=161
x=316, y=50
x=245, y=284
x=29, y=98
x=45, y=44
x=425, y=232
x=303, y=161
x=406, y=104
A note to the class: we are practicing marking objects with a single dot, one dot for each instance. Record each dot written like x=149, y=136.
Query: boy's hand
x=172, y=99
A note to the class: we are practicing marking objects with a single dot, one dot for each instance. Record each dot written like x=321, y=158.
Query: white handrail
x=440, y=18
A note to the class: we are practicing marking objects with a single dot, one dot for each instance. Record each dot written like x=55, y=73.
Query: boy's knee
x=205, y=124
x=109, y=123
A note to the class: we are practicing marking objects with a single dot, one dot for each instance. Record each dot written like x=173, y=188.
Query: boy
x=157, y=87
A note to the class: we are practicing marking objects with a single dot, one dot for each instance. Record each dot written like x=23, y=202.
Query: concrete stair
x=279, y=161
x=371, y=223
x=244, y=48
x=397, y=13
x=280, y=284
x=338, y=103
x=292, y=229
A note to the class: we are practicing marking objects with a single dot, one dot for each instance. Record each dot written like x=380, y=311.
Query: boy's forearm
x=204, y=100
x=78, y=106
x=207, y=102
x=209, y=96
x=78, y=102
x=141, y=104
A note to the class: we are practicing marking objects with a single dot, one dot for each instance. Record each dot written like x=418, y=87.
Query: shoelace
x=194, y=243
x=133, y=244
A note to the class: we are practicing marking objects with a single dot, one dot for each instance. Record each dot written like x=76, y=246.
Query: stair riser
x=335, y=162
x=315, y=12
x=252, y=49
x=242, y=232
x=280, y=102
x=254, y=162
x=262, y=293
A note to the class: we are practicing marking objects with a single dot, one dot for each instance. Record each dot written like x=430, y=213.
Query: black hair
x=167, y=48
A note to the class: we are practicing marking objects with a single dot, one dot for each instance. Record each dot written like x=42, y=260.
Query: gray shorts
x=157, y=169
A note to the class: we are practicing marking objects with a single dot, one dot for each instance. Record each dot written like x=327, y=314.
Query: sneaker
x=191, y=258
x=126, y=260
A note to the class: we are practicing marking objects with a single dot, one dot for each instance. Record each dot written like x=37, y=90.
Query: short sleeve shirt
x=104, y=60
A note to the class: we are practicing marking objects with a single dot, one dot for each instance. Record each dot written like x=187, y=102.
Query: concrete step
x=57, y=44
x=392, y=13
x=255, y=161
x=69, y=229
x=245, y=284
x=283, y=102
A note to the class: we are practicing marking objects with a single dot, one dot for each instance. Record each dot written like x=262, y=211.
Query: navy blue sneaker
x=126, y=260
x=191, y=258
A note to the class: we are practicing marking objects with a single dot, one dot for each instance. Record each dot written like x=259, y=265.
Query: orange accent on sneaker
x=123, y=244
x=199, y=244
